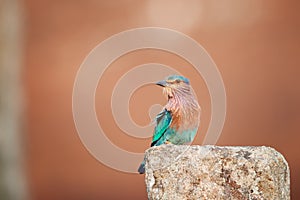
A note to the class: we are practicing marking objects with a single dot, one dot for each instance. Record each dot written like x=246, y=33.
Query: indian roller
x=178, y=122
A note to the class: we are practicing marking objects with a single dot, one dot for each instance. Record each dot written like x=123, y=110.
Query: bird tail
x=141, y=169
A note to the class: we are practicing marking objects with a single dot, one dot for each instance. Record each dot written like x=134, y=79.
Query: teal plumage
x=178, y=122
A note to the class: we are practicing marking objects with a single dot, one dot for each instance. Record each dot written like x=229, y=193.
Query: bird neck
x=185, y=111
x=182, y=101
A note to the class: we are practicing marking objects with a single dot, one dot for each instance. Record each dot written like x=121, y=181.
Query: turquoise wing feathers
x=163, y=121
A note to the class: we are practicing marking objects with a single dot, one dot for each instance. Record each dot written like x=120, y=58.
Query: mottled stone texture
x=212, y=172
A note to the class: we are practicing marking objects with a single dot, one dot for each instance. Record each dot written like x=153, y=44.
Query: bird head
x=174, y=85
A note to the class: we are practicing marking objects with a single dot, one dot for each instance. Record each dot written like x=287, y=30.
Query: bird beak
x=161, y=83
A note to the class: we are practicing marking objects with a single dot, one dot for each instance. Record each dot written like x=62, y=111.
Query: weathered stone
x=212, y=172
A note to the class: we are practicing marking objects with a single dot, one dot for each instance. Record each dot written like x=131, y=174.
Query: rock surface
x=212, y=172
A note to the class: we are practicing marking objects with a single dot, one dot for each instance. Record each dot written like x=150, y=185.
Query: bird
x=179, y=120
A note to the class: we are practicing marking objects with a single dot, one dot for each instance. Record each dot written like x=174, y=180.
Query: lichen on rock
x=213, y=172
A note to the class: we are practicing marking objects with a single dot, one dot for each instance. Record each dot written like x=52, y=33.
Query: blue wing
x=163, y=121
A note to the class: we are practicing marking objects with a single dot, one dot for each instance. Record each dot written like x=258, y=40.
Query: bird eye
x=177, y=81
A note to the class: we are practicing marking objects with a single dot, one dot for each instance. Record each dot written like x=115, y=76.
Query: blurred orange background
x=254, y=43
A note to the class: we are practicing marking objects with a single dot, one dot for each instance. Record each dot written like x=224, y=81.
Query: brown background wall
x=254, y=43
